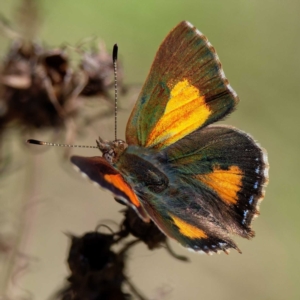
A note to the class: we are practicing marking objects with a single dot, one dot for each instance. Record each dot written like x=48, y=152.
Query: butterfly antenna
x=36, y=142
x=115, y=58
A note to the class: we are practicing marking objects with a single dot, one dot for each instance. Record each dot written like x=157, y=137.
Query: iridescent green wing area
x=186, y=89
x=228, y=171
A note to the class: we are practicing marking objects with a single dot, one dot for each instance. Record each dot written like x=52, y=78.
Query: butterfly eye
x=109, y=155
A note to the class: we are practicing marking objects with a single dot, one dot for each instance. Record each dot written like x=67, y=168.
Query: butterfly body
x=199, y=183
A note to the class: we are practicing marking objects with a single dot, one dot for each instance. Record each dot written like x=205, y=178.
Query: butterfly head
x=111, y=150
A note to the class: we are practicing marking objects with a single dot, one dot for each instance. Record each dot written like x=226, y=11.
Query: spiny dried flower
x=37, y=87
x=98, y=271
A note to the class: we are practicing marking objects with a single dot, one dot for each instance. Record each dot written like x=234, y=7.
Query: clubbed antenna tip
x=115, y=53
x=36, y=142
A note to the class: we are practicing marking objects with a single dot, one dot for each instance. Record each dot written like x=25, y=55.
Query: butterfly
x=199, y=183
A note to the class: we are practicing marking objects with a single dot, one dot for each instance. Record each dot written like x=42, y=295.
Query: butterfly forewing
x=101, y=172
x=186, y=89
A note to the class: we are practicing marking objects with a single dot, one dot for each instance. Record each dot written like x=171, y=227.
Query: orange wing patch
x=118, y=181
x=227, y=183
x=186, y=111
x=187, y=229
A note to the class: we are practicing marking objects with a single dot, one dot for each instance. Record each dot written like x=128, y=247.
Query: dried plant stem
x=18, y=261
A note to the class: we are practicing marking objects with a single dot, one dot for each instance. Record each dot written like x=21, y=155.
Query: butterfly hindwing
x=192, y=226
x=228, y=169
x=186, y=89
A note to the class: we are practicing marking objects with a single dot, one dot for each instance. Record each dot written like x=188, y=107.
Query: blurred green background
x=258, y=43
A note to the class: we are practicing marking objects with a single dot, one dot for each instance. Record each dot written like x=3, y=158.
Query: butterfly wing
x=198, y=183
x=102, y=173
x=186, y=89
x=228, y=171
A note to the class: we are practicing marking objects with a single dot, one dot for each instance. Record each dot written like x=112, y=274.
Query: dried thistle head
x=97, y=272
x=36, y=86
x=145, y=232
